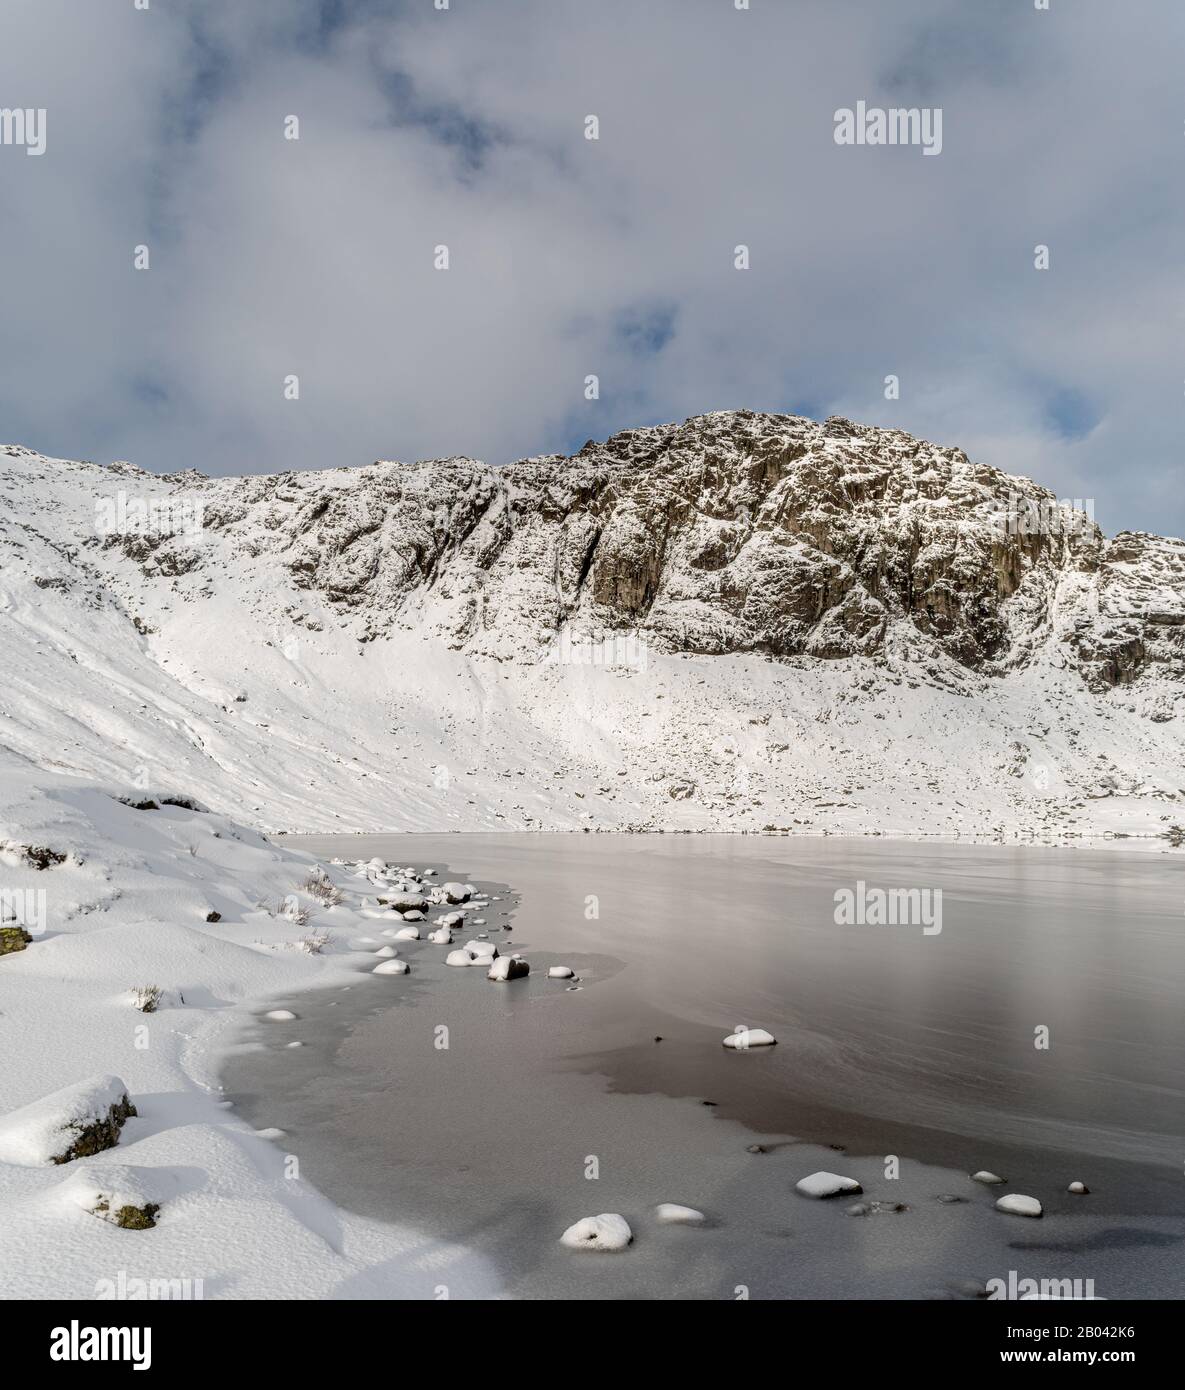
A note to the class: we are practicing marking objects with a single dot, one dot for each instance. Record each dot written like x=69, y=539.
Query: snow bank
x=71, y=1123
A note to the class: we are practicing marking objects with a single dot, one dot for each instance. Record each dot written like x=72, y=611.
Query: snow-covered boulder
x=407, y=934
x=455, y=892
x=279, y=1016
x=672, y=1214
x=1079, y=1189
x=1018, y=1205
x=74, y=1122
x=130, y=1198
x=460, y=958
x=391, y=967
x=406, y=902
x=507, y=968
x=986, y=1177
x=386, y=952
x=484, y=950
x=609, y=1231
x=826, y=1185
x=745, y=1038
x=560, y=972
x=441, y=937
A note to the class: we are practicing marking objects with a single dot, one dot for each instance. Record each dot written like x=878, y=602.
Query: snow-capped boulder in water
x=441, y=937
x=455, y=892
x=407, y=934
x=986, y=1177
x=672, y=1214
x=508, y=968
x=1015, y=1204
x=1079, y=1189
x=826, y=1185
x=391, y=967
x=560, y=972
x=607, y=1232
x=74, y=1122
x=460, y=958
x=746, y=1038
x=484, y=950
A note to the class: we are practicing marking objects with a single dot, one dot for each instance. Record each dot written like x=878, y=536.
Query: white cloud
x=465, y=127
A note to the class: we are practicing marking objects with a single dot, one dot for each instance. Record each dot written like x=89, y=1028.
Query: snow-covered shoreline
x=125, y=909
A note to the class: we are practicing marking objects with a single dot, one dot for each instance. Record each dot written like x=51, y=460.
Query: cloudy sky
x=418, y=127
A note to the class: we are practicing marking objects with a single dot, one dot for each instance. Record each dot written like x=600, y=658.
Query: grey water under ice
x=550, y=1104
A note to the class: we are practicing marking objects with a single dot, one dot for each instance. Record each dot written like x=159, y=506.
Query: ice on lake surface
x=1038, y=1033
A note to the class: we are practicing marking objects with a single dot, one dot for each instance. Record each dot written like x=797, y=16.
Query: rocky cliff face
x=853, y=563
x=732, y=532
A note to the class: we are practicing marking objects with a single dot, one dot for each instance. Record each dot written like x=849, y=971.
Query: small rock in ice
x=826, y=1185
x=508, y=968
x=560, y=972
x=746, y=1038
x=1018, y=1205
x=391, y=967
x=1078, y=1188
x=609, y=1231
x=407, y=934
x=294, y=1044
x=280, y=1015
x=985, y=1177
x=672, y=1214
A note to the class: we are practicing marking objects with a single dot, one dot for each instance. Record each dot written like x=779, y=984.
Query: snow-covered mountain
x=742, y=622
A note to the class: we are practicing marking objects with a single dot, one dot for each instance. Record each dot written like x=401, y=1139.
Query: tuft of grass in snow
x=318, y=886
x=146, y=998
x=313, y=943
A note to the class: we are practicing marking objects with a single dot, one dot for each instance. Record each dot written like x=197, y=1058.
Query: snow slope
x=742, y=622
